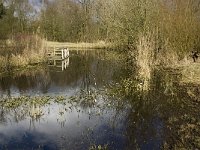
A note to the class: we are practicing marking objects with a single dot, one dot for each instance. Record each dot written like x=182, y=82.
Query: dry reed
x=26, y=50
x=145, y=58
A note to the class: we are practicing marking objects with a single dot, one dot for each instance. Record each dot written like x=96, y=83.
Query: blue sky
x=36, y=4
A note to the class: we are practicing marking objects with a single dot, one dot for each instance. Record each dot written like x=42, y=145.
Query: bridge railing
x=61, y=53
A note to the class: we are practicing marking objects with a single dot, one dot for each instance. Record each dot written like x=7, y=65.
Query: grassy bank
x=22, y=51
x=82, y=45
x=31, y=49
x=148, y=56
x=190, y=73
x=15, y=55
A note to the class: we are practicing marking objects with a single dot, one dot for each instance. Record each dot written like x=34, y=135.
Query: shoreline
x=48, y=45
x=79, y=46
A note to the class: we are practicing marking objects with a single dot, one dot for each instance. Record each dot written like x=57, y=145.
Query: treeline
x=171, y=25
x=16, y=16
x=21, y=44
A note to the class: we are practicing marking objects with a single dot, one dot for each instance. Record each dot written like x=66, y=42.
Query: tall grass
x=3, y=63
x=22, y=50
x=175, y=33
x=178, y=31
x=145, y=58
x=190, y=74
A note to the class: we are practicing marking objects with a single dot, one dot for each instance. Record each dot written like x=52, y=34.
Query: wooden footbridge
x=58, y=58
x=58, y=53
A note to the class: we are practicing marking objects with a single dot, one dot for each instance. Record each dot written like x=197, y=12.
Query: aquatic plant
x=98, y=147
x=14, y=102
x=60, y=99
x=86, y=98
x=36, y=111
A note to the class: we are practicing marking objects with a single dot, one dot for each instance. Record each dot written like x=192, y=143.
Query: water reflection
x=163, y=117
x=93, y=102
x=71, y=109
x=57, y=119
x=58, y=65
x=86, y=69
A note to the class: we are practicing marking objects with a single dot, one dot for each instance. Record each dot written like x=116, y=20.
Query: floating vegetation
x=99, y=147
x=97, y=114
x=34, y=105
x=14, y=102
x=126, y=88
x=60, y=99
x=86, y=98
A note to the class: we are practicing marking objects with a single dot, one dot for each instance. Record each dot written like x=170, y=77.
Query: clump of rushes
x=24, y=50
x=145, y=58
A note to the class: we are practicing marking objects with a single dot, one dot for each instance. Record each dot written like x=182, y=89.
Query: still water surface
x=86, y=106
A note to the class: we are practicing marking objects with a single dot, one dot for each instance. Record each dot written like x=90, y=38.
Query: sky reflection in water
x=74, y=124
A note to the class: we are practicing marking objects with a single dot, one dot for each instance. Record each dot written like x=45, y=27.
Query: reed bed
x=21, y=51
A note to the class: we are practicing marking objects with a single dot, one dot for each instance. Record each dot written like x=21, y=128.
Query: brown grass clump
x=190, y=73
x=23, y=50
x=3, y=63
x=145, y=58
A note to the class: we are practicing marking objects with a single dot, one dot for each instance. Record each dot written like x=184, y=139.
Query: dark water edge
x=90, y=102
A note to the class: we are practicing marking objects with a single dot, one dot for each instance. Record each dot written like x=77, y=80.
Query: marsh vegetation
x=97, y=103
x=131, y=81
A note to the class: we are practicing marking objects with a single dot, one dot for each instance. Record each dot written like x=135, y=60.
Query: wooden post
x=62, y=54
x=62, y=65
x=67, y=63
x=67, y=52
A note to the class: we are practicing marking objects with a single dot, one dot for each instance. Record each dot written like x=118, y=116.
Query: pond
x=87, y=102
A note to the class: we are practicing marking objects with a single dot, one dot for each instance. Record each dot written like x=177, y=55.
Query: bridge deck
x=58, y=53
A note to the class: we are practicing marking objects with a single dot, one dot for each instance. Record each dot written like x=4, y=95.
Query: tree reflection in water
x=163, y=117
x=96, y=102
